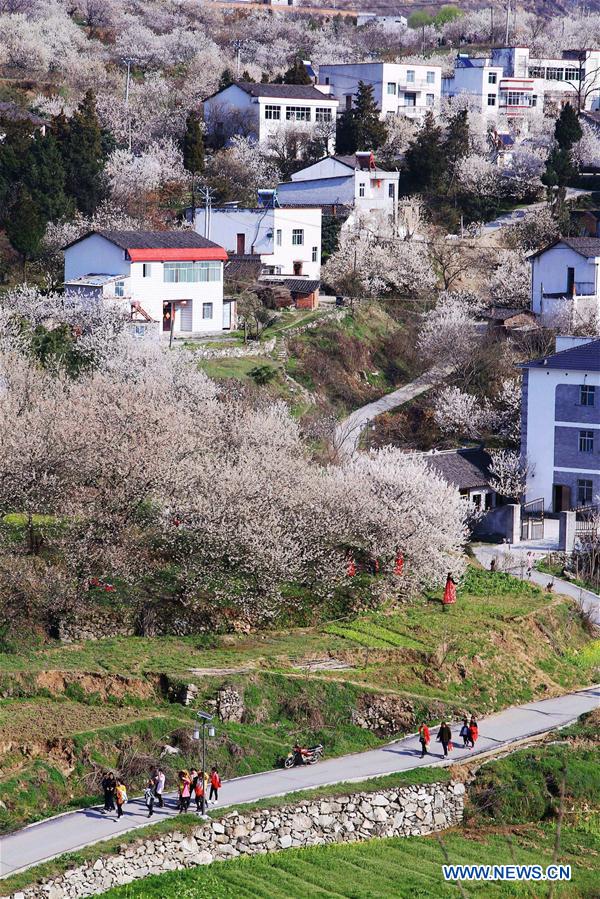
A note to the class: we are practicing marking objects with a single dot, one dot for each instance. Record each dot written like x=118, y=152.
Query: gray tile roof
x=283, y=91
x=585, y=246
x=585, y=357
x=150, y=240
x=465, y=468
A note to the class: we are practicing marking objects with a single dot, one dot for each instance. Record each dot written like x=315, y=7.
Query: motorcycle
x=303, y=756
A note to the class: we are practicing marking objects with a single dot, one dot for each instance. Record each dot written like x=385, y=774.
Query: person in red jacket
x=473, y=731
x=449, y=590
x=215, y=785
x=424, y=739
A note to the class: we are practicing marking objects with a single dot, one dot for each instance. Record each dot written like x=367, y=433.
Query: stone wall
x=409, y=811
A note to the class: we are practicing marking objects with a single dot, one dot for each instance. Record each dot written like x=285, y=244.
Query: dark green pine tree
x=561, y=170
x=24, y=225
x=456, y=142
x=370, y=131
x=193, y=144
x=44, y=176
x=297, y=74
x=226, y=79
x=425, y=161
x=81, y=145
x=345, y=133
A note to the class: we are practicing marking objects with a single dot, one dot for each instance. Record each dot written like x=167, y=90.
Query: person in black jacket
x=109, y=785
x=444, y=737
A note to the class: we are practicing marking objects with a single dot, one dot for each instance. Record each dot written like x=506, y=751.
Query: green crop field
x=380, y=869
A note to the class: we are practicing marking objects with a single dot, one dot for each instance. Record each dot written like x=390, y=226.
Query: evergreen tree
x=44, y=176
x=193, y=144
x=370, y=132
x=345, y=133
x=297, y=74
x=81, y=145
x=425, y=160
x=24, y=225
x=456, y=143
x=567, y=130
x=560, y=167
x=226, y=79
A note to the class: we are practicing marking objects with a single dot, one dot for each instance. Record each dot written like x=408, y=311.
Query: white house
x=399, y=88
x=171, y=282
x=287, y=240
x=261, y=110
x=479, y=80
x=388, y=23
x=565, y=286
x=553, y=81
x=560, y=425
x=354, y=181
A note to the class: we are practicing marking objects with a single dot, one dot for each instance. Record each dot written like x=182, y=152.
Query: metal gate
x=532, y=519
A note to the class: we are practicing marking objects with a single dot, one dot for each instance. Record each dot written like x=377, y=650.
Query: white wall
x=153, y=291
x=269, y=126
x=324, y=168
x=549, y=272
x=541, y=396
x=344, y=81
x=475, y=83
x=260, y=227
x=228, y=105
x=94, y=255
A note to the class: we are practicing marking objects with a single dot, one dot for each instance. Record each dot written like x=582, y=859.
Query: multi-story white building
x=574, y=77
x=262, y=110
x=399, y=89
x=560, y=425
x=479, y=80
x=170, y=282
x=388, y=23
x=353, y=181
x=286, y=240
x=565, y=282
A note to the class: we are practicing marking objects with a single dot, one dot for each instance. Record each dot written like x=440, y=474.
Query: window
x=430, y=77
x=491, y=100
x=326, y=79
x=323, y=114
x=207, y=310
x=272, y=112
x=391, y=191
x=430, y=99
x=139, y=331
x=534, y=99
x=587, y=395
x=146, y=270
x=410, y=75
x=410, y=99
x=315, y=254
x=297, y=113
x=492, y=77
x=119, y=288
x=278, y=237
x=584, y=492
x=191, y=272
x=553, y=73
x=298, y=237
x=361, y=190
x=571, y=74
x=586, y=441
x=391, y=87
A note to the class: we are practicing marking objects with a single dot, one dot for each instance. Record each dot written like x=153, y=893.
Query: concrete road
x=347, y=433
x=512, y=218
x=515, y=561
x=66, y=833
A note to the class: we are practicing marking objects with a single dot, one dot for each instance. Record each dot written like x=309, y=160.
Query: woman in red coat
x=449, y=590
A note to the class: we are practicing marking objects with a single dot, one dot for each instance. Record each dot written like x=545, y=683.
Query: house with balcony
x=565, y=287
x=355, y=182
x=262, y=110
x=479, y=80
x=573, y=77
x=398, y=88
x=560, y=425
x=170, y=283
x=286, y=240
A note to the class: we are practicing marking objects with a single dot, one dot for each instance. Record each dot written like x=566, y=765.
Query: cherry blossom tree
x=460, y=414
x=510, y=283
x=509, y=473
x=450, y=334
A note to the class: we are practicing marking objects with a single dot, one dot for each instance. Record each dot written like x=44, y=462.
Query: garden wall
x=409, y=811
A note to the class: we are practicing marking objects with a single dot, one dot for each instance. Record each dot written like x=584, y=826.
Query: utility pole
x=207, y=195
x=492, y=25
x=507, y=23
x=238, y=52
x=127, y=116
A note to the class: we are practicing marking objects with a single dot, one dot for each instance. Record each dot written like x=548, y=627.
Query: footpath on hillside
x=69, y=832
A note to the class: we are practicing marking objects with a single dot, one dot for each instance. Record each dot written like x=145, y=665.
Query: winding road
x=74, y=830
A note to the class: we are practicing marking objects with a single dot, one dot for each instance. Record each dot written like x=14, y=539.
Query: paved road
x=347, y=433
x=485, y=552
x=511, y=218
x=72, y=831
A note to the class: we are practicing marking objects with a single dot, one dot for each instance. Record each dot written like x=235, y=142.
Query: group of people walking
x=469, y=732
x=191, y=784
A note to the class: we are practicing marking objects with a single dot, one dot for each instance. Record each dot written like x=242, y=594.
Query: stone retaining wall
x=409, y=811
